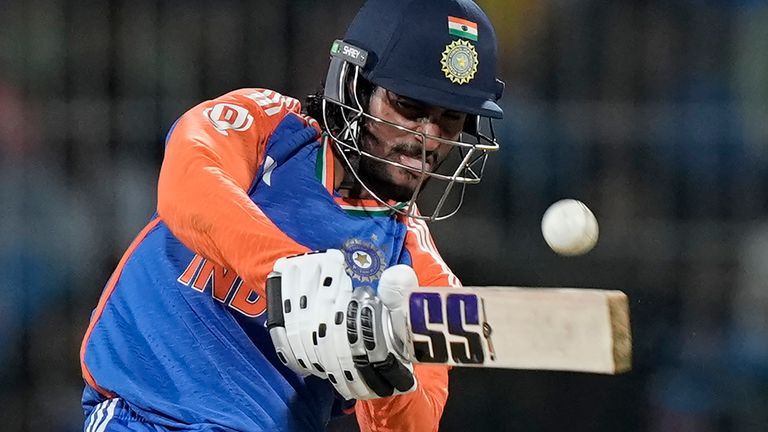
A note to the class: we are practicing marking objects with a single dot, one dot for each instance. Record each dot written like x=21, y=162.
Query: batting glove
x=320, y=326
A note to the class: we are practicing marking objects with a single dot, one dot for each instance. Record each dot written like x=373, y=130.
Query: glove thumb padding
x=394, y=284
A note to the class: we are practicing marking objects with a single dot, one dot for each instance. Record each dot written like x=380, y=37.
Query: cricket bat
x=566, y=329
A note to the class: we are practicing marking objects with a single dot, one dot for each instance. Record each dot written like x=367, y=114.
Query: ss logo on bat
x=426, y=309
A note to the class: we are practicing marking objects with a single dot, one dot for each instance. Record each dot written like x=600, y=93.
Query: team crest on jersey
x=365, y=262
x=459, y=61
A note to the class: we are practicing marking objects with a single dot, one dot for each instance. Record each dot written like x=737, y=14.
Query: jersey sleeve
x=421, y=409
x=426, y=260
x=212, y=155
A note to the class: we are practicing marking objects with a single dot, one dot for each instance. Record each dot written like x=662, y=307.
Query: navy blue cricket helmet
x=440, y=52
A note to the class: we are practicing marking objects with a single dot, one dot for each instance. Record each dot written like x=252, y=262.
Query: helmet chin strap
x=352, y=162
x=350, y=157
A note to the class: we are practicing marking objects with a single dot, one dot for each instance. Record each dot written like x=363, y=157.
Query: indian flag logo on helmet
x=462, y=28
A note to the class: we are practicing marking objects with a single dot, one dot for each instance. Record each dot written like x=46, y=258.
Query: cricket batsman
x=262, y=295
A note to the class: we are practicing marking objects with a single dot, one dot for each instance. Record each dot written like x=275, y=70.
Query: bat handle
x=398, y=336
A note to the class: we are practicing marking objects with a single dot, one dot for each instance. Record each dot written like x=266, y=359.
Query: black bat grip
x=274, y=301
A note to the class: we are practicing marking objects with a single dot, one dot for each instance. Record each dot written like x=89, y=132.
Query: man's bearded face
x=392, y=182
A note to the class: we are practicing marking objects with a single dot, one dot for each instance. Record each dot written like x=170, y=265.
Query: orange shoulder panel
x=211, y=157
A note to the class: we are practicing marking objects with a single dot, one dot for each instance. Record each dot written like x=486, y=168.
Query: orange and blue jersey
x=179, y=336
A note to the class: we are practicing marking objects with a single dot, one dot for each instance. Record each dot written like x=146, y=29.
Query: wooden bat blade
x=567, y=329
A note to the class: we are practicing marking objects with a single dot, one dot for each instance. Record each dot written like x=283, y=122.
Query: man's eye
x=406, y=105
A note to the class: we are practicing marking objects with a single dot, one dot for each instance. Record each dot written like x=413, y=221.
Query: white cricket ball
x=569, y=227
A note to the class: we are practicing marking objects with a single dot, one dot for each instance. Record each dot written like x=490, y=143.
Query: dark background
x=654, y=113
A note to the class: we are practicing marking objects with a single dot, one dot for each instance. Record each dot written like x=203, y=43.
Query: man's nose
x=429, y=128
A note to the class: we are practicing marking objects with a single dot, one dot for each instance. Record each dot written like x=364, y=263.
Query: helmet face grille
x=464, y=165
x=441, y=53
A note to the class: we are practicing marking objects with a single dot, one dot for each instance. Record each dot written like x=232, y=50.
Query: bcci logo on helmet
x=459, y=62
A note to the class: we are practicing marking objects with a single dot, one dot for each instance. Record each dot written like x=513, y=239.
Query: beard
x=382, y=178
x=377, y=177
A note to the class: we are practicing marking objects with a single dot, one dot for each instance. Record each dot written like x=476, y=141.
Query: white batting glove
x=319, y=326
